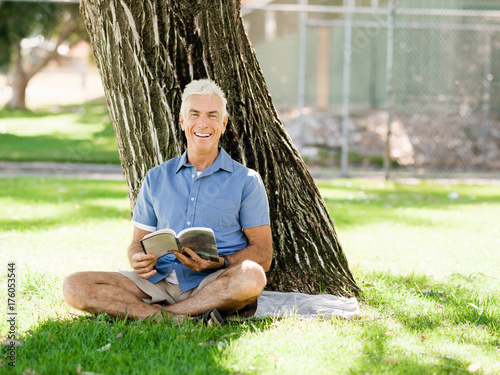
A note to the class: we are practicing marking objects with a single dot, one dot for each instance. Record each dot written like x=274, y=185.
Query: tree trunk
x=18, y=99
x=146, y=53
x=21, y=74
x=18, y=82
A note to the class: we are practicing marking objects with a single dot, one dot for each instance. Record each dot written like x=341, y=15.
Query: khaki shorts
x=164, y=291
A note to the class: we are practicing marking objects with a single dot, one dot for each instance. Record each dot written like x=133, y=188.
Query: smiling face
x=203, y=124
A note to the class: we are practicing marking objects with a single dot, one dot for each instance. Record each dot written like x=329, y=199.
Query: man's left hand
x=195, y=262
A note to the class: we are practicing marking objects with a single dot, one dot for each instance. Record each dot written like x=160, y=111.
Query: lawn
x=426, y=256
x=80, y=133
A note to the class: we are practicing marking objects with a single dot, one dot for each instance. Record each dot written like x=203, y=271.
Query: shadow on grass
x=60, y=201
x=379, y=355
x=399, y=202
x=55, y=149
x=120, y=346
x=84, y=214
x=116, y=346
x=61, y=145
x=27, y=114
x=423, y=304
x=457, y=309
x=53, y=190
x=91, y=112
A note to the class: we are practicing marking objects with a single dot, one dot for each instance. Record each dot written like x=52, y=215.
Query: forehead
x=204, y=103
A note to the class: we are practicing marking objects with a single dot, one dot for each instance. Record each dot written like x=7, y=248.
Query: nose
x=203, y=122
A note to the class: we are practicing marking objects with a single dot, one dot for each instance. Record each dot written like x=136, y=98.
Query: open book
x=200, y=240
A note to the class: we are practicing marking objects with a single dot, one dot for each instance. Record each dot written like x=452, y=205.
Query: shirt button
x=192, y=199
x=189, y=223
x=192, y=176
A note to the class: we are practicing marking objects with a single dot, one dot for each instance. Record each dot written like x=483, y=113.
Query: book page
x=201, y=241
x=159, y=243
x=168, y=231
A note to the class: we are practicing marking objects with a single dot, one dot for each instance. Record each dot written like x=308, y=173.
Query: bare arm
x=259, y=250
x=142, y=263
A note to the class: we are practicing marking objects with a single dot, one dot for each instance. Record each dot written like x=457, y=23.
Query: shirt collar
x=223, y=161
x=182, y=162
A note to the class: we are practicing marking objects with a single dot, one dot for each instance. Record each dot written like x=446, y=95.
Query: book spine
x=143, y=248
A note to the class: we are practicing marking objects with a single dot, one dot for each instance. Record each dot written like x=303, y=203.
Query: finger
x=139, y=260
x=147, y=275
x=195, y=263
x=192, y=254
x=185, y=260
x=138, y=257
x=180, y=255
x=145, y=266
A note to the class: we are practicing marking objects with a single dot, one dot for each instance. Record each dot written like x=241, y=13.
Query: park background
x=345, y=74
x=422, y=245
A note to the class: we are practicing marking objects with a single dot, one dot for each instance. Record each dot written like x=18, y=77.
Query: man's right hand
x=143, y=264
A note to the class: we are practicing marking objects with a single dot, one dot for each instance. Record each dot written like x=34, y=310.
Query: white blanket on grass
x=300, y=305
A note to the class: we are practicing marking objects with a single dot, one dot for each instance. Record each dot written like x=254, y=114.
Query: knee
x=253, y=279
x=71, y=287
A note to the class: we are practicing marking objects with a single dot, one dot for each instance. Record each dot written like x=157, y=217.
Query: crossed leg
x=116, y=294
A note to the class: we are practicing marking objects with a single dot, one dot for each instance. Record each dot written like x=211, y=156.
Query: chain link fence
x=408, y=87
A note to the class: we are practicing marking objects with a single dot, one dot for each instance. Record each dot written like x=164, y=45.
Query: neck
x=202, y=162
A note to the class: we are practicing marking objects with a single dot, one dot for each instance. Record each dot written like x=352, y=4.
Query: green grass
x=434, y=229
x=80, y=133
x=425, y=255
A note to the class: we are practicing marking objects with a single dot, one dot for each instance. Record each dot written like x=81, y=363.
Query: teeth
x=202, y=135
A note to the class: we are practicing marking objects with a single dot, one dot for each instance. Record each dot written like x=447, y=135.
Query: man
x=203, y=187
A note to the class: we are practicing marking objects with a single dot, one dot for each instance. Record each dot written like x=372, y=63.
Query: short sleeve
x=254, y=209
x=144, y=213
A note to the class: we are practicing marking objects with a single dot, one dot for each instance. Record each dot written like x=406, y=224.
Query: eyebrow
x=195, y=111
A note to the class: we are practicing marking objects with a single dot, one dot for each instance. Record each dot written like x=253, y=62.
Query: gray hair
x=203, y=87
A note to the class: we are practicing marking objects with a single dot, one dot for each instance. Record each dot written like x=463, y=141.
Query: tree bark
x=146, y=53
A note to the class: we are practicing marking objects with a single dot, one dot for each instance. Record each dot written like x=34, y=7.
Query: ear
x=181, y=119
x=224, y=122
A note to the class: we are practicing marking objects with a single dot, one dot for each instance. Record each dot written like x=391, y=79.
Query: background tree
x=21, y=20
x=147, y=52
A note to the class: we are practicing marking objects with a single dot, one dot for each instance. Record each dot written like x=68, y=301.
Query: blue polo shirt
x=226, y=197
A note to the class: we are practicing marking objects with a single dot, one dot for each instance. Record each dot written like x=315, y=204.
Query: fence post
x=389, y=88
x=346, y=90
x=486, y=101
x=302, y=73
